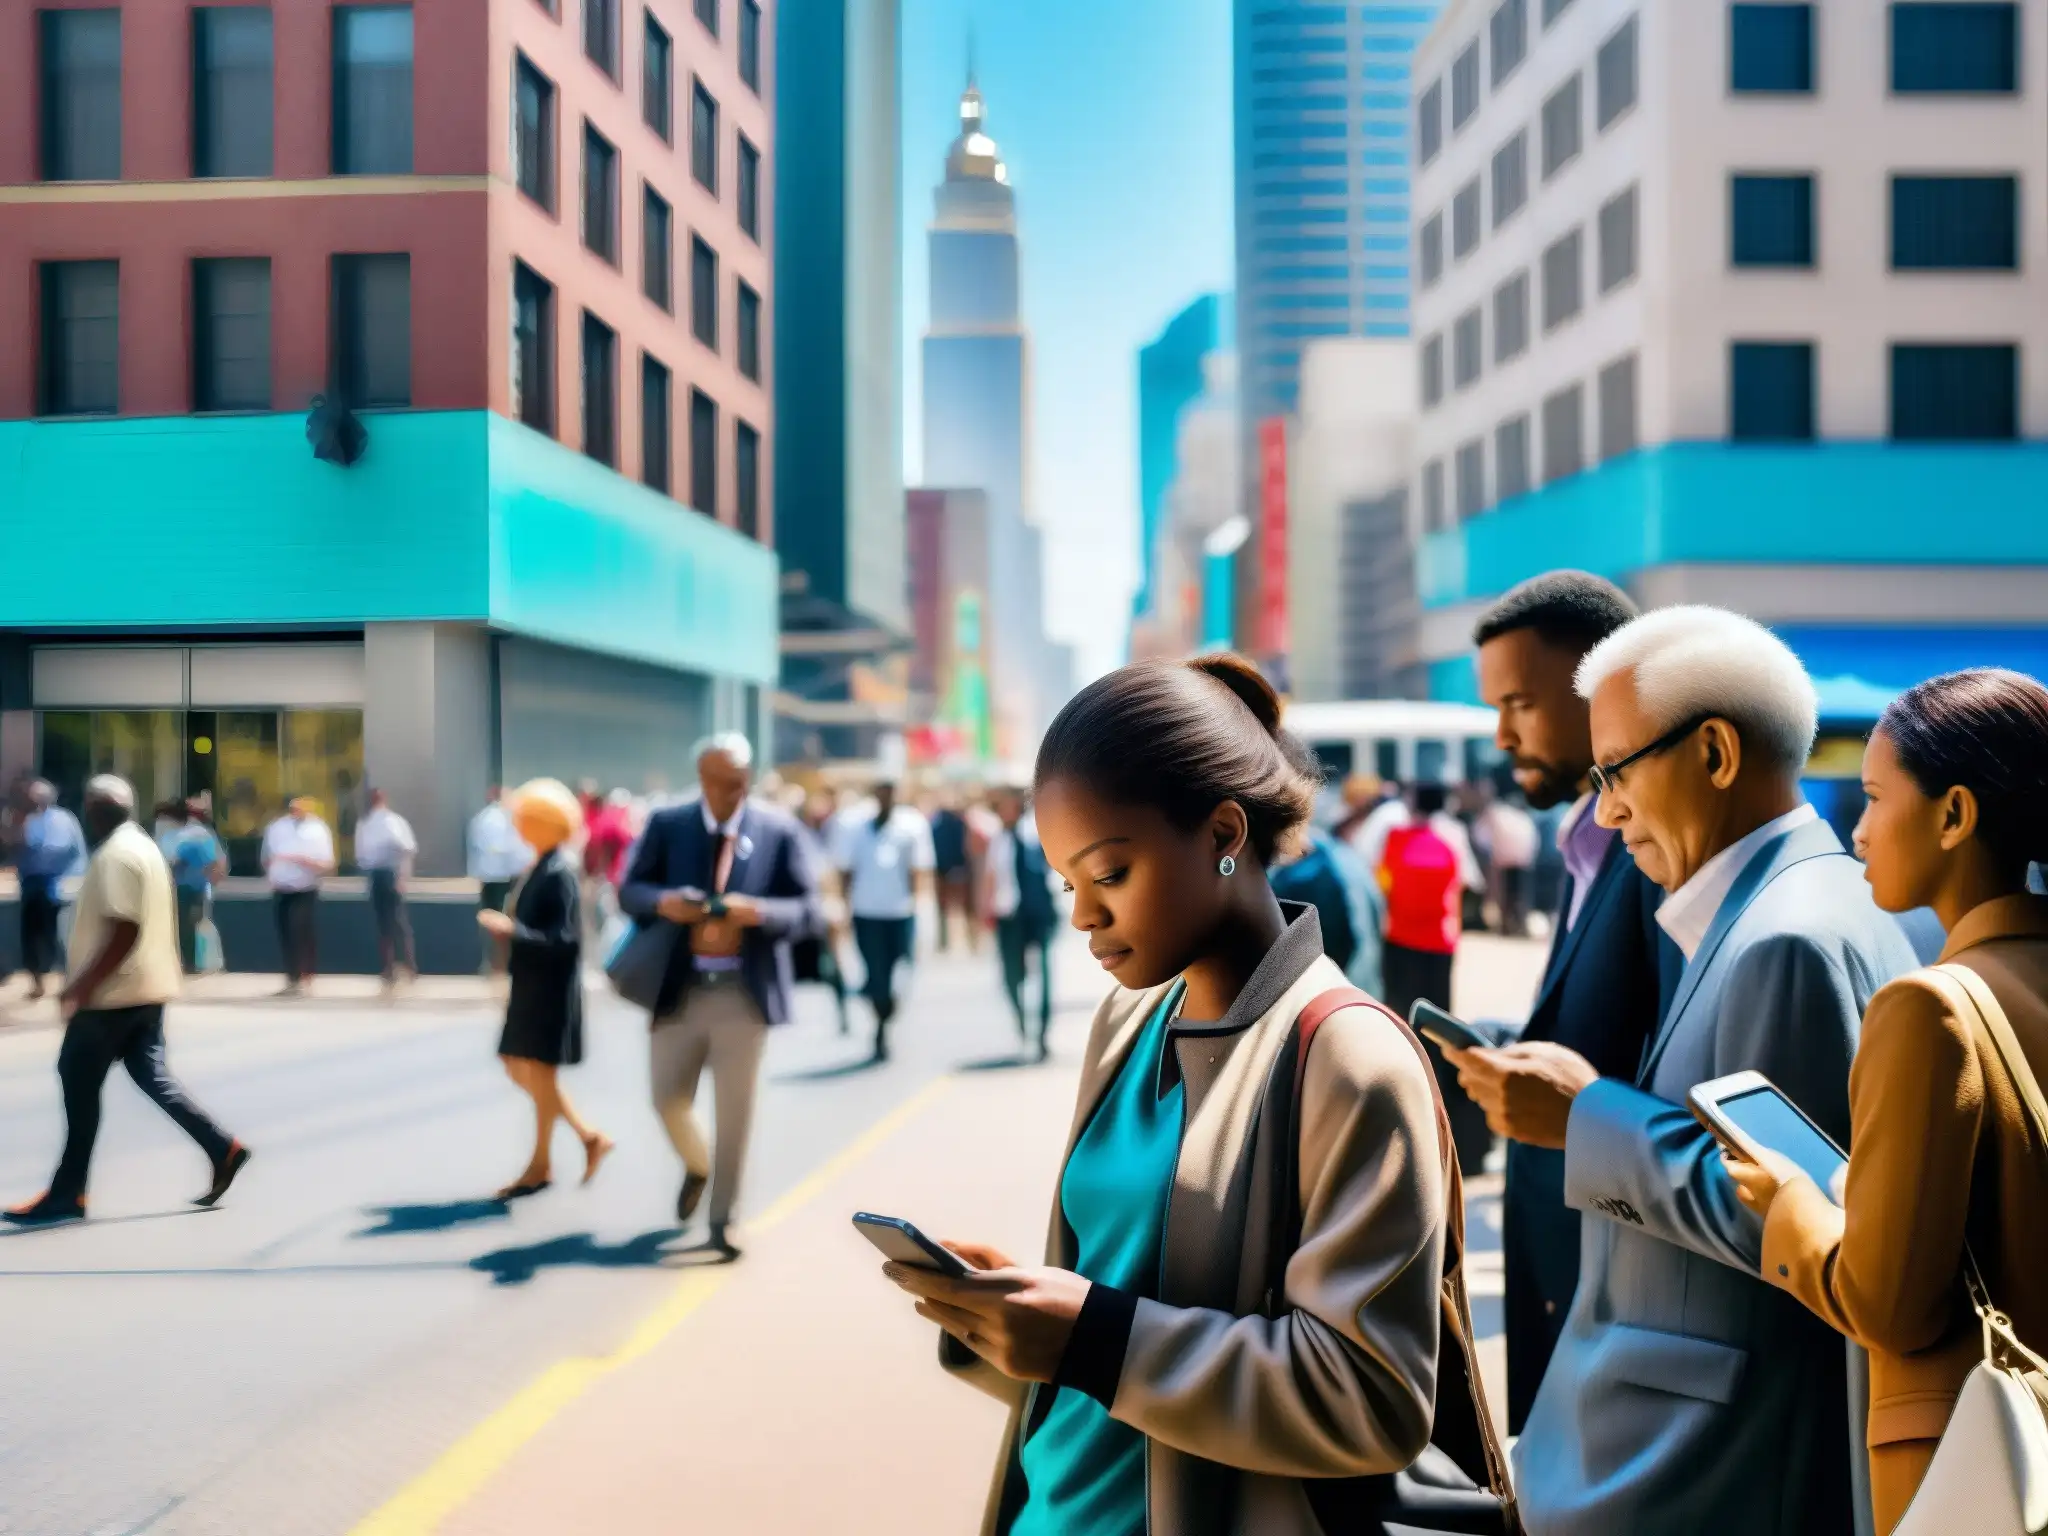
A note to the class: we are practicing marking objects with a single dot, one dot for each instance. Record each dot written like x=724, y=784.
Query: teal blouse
x=1085, y=1471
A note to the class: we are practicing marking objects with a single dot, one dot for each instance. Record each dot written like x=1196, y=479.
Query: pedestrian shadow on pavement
x=79, y=1223
x=1000, y=1063
x=395, y=1220
x=516, y=1266
x=832, y=1073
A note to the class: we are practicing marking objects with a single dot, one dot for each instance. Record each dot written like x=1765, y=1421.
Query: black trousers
x=93, y=1041
x=42, y=952
x=394, y=924
x=1410, y=974
x=298, y=933
x=884, y=943
x=1016, y=938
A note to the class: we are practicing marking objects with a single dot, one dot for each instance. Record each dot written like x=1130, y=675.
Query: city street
x=361, y=1341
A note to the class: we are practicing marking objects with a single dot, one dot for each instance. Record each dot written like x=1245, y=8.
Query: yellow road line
x=456, y=1476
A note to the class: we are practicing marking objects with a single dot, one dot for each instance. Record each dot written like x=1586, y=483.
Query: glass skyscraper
x=1322, y=128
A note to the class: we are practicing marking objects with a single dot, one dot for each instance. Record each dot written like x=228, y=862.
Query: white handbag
x=1989, y=1476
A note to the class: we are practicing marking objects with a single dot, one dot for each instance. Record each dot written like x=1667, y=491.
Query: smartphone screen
x=1764, y=1115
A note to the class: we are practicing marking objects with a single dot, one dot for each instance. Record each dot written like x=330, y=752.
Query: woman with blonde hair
x=544, y=1013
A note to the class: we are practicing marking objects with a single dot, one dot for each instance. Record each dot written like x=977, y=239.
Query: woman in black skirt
x=544, y=1015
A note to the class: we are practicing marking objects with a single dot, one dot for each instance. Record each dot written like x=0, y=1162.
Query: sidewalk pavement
x=797, y=1391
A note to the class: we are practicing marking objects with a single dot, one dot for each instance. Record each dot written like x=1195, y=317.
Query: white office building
x=1743, y=304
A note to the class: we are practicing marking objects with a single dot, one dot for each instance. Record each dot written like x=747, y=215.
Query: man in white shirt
x=124, y=968
x=298, y=852
x=498, y=856
x=884, y=860
x=385, y=849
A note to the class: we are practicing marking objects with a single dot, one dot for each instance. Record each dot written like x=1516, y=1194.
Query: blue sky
x=1114, y=116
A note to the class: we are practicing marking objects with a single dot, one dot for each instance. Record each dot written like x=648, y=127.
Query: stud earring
x=1226, y=866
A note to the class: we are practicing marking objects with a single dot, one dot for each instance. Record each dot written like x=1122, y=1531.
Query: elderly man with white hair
x=1687, y=1395
x=124, y=968
x=733, y=879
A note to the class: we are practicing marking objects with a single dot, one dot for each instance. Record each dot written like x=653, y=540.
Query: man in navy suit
x=1611, y=967
x=736, y=878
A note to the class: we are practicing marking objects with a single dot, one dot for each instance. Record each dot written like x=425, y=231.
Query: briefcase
x=639, y=963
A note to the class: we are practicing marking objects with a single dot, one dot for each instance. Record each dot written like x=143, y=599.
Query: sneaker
x=224, y=1174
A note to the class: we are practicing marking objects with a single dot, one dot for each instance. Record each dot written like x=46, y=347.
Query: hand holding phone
x=902, y=1243
x=1748, y=1113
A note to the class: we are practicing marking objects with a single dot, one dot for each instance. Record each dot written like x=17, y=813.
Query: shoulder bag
x=1460, y=1483
x=1989, y=1475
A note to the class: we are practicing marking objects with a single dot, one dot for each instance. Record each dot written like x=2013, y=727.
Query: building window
x=1433, y=496
x=1770, y=391
x=750, y=45
x=1617, y=240
x=231, y=334
x=1552, y=9
x=703, y=137
x=600, y=195
x=533, y=132
x=703, y=453
x=703, y=292
x=1955, y=49
x=1955, y=223
x=1429, y=123
x=749, y=326
x=750, y=190
x=533, y=349
x=81, y=350
x=707, y=14
x=1614, y=75
x=1563, y=281
x=1467, y=348
x=1510, y=178
x=1770, y=49
x=657, y=82
x=1431, y=252
x=1511, y=318
x=1959, y=392
x=1770, y=221
x=1563, y=127
x=1511, y=458
x=1564, y=433
x=601, y=34
x=373, y=90
x=1464, y=86
x=1469, y=478
x=81, y=88
x=1432, y=370
x=1508, y=35
x=600, y=391
x=1465, y=220
x=746, y=475
x=657, y=249
x=1618, y=434
x=372, y=327
x=654, y=418
x=232, y=91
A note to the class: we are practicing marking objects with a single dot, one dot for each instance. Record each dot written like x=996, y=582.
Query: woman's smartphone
x=1446, y=1029
x=901, y=1242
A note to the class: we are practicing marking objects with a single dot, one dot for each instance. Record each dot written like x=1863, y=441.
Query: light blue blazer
x=1686, y=1395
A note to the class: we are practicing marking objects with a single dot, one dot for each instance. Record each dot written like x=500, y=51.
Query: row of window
x=1938, y=223
x=1940, y=392
x=602, y=32
x=1561, y=271
x=1943, y=48
x=1614, y=74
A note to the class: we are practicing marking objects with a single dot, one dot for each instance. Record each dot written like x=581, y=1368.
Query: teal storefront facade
x=488, y=603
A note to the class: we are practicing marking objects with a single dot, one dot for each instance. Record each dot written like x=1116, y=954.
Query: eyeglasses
x=1605, y=777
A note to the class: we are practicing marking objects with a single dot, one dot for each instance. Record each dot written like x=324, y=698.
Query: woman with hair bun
x=1945, y=1152
x=1253, y=1254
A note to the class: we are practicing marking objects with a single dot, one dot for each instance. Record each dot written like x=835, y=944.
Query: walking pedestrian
x=955, y=874
x=298, y=853
x=385, y=850
x=884, y=860
x=125, y=969
x=607, y=838
x=1020, y=901
x=52, y=851
x=815, y=957
x=735, y=877
x=1511, y=839
x=197, y=862
x=1252, y=1297
x=544, y=1011
x=497, y=857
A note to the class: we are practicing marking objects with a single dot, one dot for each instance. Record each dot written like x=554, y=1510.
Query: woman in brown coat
x=1943, y=1152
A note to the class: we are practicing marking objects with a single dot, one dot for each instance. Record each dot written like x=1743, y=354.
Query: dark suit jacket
x=1605, y=989
x=771, y=863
